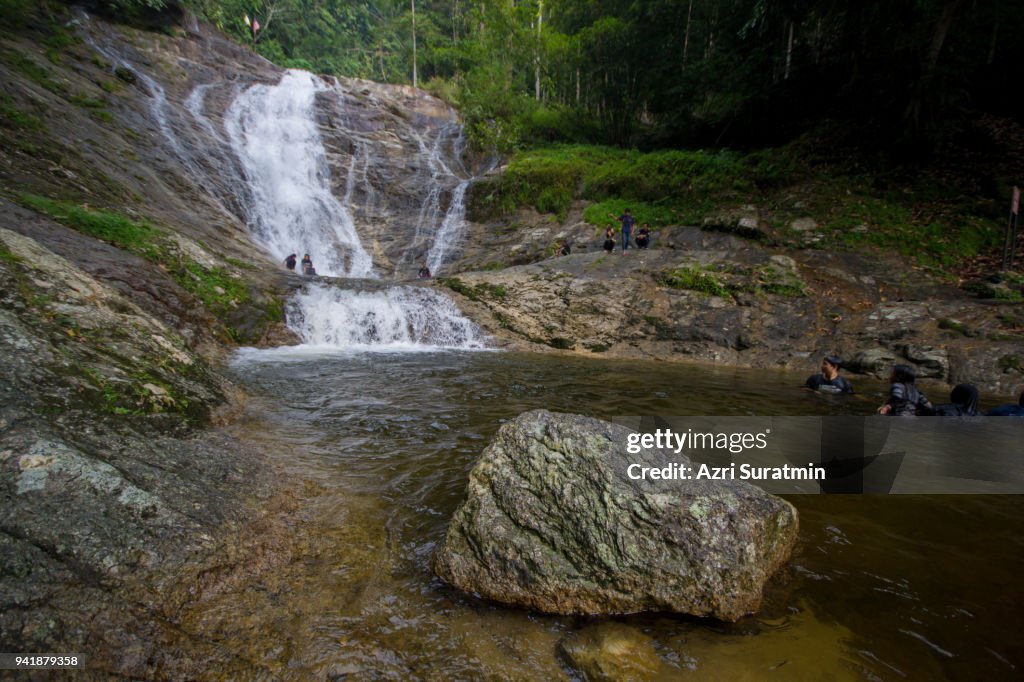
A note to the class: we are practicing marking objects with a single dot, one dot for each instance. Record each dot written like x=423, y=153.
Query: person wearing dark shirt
x=307, y=266
x=963, y=402
x=904, y=398
x=289, y=262
x=828, y=380
x=627, y=227
x=424, y=271
x=1008, y=409
x=609, y=240
x=643, y=236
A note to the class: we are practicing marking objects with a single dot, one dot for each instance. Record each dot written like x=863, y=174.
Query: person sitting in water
x=828, y=380
x=904, y=398
x=643, y=237
x=1008, y=409
x=963, y=402
x=609, y=239
x=424, y=271
x=289, y=262
x=307, y=266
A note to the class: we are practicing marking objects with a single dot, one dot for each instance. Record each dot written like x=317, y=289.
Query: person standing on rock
x=828, y=380
x=289, y=262
x=627, y=227
x=904, y=398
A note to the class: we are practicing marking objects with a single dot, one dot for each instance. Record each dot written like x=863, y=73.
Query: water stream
x=890, y=588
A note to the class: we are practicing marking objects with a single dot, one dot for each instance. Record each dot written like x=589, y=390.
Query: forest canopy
x=742, y=73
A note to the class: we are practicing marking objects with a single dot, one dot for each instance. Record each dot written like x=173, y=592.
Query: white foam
x=398, y=318
x=273, y=131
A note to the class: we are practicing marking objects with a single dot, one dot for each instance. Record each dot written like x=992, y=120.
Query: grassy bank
x=220, y=291
x=801, y=202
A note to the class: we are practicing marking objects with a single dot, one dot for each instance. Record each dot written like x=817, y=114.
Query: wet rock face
x=552, y=522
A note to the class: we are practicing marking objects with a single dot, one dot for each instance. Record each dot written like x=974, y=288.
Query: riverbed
x=880, y=587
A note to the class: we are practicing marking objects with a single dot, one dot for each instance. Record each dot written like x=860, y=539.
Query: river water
x=880, y=587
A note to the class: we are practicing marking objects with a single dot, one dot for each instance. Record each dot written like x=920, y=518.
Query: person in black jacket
x=904, y=398
x=963, y=402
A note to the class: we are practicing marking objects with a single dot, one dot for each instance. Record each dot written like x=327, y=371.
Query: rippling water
x=893, y=587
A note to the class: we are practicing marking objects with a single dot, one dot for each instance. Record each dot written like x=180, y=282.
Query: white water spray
x=273, y=131
x=398, y=317
x=450, y=231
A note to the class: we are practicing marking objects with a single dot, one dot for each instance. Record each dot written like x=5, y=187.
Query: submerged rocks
x=611, y=651
x=552, y=522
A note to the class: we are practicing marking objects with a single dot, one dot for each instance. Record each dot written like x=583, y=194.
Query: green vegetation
x=8, y=256
x=138, y=236
x=693, y=187
x=772, y=280
x=695, y=279
x=660, y=73
x=11, y=117
x=1011, y=363
x=40, y=75
x=727, y=281
x=215, y=287
x=220, y=291
x=474, y=293
x=956, y=326
x=662, y=188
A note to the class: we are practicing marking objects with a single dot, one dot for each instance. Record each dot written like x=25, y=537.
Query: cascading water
x=274, y=133
x=401, y=317
x=442, y=233
x=271, y=169
x=451, y=228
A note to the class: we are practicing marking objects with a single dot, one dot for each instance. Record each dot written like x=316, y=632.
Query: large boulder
x=552, y=522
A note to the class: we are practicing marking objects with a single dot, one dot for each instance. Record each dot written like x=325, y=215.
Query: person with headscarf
x=963, y=402
x=828, y=380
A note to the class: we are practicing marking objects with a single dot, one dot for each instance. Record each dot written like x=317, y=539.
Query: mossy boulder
x=552, y=522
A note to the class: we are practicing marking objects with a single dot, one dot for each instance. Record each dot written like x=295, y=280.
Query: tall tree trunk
x=924, y=84
x=415, y=76
x=686, y=34
x=789, y=51
x=536, y=56
x=992, y=45
x=455, y=16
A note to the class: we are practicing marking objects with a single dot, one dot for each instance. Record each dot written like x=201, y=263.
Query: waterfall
x=399, y=317
x=451, y=228
x=440, y=232
x=264, y=161
x=273, y=131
